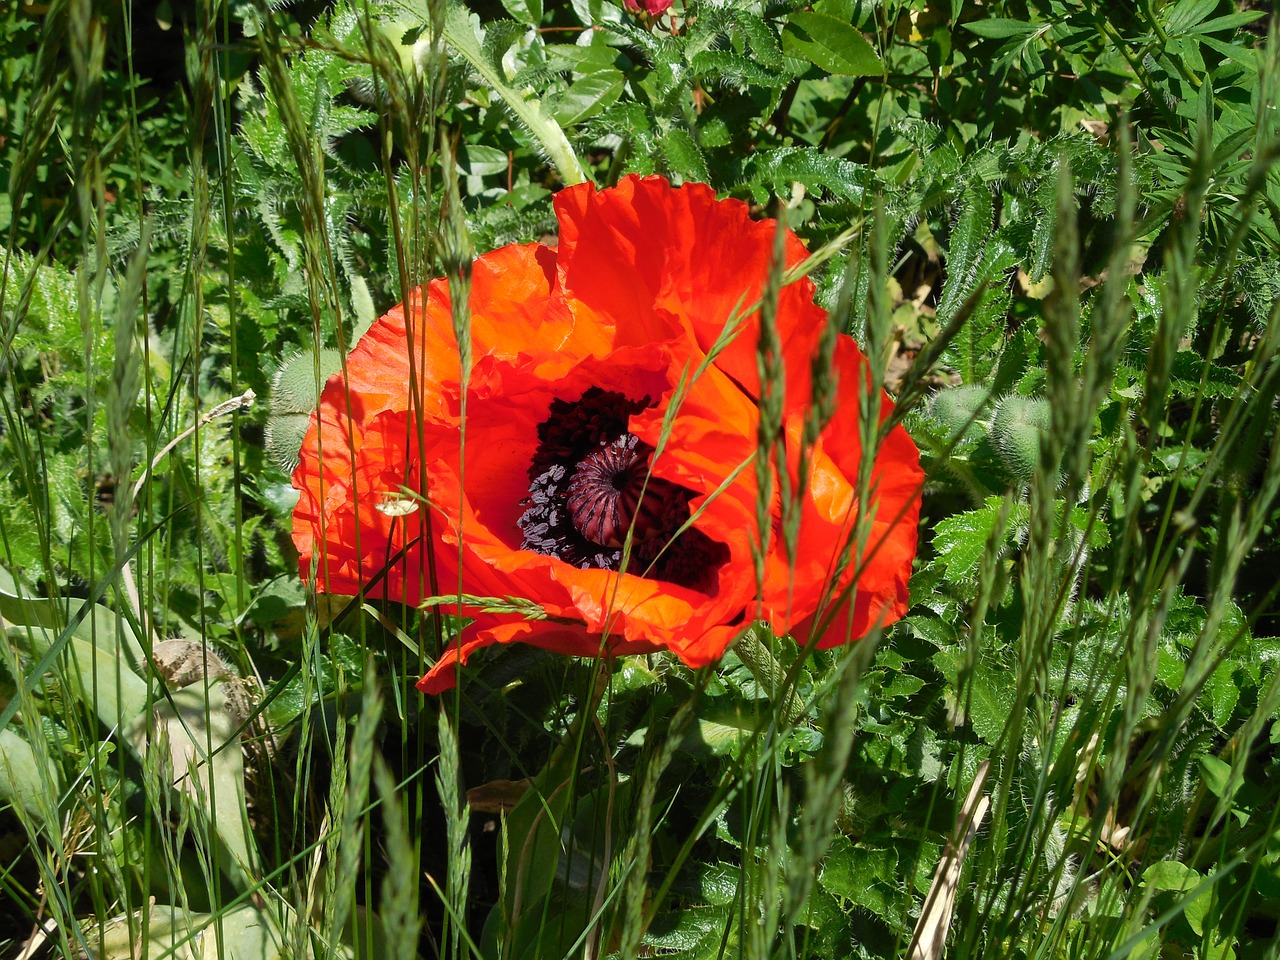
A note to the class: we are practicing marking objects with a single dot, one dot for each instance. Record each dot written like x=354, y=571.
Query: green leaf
x=867, y=876
x=833, y=46
x=735, y=70
x=776, y=170
x=101, y=646
x=23, y=781
x=764, y=42
x=533, y=831
x=999, y=28
x=587, y=96
x=1170, y=876
x=244, y=933
x=461, y=33
x=1215, y=774
x=479, y=160
x=971, y=259
x=182, y=728
x=687, y=931
x=1223, y=693
x=1193, y=376
x=961, y=539
x=526, y=11
x=991, y=701
x=1229, y=22
x=683, y=156
x=1184, y=15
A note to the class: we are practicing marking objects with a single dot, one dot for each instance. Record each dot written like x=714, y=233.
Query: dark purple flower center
x=589, y=489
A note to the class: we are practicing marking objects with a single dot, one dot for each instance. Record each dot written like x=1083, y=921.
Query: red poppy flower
x=558, y=461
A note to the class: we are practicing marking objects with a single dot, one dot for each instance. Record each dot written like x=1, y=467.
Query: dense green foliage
x=1059, y=224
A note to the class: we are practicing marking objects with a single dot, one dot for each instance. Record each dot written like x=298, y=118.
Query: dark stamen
x=590, y=487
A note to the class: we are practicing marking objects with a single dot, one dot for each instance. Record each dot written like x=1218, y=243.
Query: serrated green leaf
x=863, y=875
x=975, y=258
x=734, y=70
x=683, y=156
x=1192, y=375
x=776, y=170
x=686, y=931
x=717, y=884
x=461, y=32
x=932, y=629
x=991, y=699
x=834, y=46
x=1223, y=693
x=1045, y=212
x=961, y=539
x=764, y=42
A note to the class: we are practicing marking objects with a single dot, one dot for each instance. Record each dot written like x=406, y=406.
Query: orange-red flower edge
x=595, y=335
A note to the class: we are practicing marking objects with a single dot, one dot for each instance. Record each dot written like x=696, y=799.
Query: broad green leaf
x=723, y=736
x=243, y=933
x=23, y=782
x=1170, y=876
x=834, y=46
x=180, y=732
x=96, y=677
x=479, y=160
x=593, y=13
x=998, y=28
x=526, y=11
x=1166, y=875
x=533, y=831
x=98, y=624
x=587, y=96
x=1215, y=774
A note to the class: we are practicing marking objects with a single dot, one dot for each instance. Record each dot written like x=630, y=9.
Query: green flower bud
x=1015, y=434
x=293, y=398
x=956, y=408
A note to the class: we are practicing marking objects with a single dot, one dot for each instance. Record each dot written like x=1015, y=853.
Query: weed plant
x=1053, y=228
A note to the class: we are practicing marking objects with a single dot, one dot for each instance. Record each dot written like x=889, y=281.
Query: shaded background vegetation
x=198, y=195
